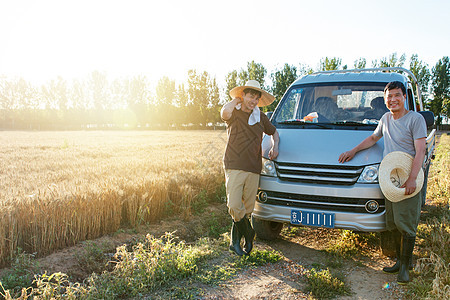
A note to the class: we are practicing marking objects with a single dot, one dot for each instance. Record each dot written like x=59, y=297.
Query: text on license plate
x=310, y=218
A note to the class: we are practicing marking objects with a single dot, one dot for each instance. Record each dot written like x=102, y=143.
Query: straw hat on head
x=265, y=99
x=393, y=172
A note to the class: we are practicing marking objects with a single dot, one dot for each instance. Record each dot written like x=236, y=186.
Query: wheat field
x=58, y=188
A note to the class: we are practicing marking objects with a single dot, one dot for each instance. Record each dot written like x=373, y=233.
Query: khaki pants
x=241, y=188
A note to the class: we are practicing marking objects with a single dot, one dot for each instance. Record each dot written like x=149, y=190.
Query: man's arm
x=366, y=143
x=227, y=109
x=410, y=184
x=273, y=153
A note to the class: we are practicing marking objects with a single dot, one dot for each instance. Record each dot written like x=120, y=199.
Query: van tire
x=266, y=230
x=387, y=244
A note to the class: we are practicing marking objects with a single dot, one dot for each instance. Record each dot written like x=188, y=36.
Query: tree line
x=98, y=102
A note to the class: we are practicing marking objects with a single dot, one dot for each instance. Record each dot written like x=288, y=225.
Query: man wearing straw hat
x=404, y=134
x=243, y=157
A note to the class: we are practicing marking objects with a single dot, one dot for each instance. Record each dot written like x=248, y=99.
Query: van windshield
x=336, y=103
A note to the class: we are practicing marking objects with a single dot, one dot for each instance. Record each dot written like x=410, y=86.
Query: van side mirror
x=269, y=114
x=429, y=117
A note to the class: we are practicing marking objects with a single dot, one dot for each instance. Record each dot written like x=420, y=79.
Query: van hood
x=322, y=146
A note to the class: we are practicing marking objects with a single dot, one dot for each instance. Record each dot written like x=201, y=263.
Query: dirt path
x=283, y=280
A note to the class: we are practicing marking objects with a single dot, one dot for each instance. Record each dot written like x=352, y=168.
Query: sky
x=40, y=40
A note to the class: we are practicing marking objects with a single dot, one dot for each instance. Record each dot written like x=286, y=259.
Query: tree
x=17, y=94
x=440, y=83
x=56, y=94
x=390, y=61
x=165, y=91
x=423, y=75
x=257, y=71
x=304, y=70
x=214, y=99
x=204, y=97
x=78, y=95
x=181, y=103
x=182, y=96
x=8, y=99
x=231, y=82
x=254, y=71
x=360, y=63
x=198, y=90
x=243, y=77
x=98, y=97
x=138, y=91
x=120, y=94
x=329, y=64
x=138, y=98
x=165, y=99
x=98, y=90
x=281, y=79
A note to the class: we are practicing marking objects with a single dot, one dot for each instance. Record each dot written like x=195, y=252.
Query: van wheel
x=387, y=244
x=266, y=230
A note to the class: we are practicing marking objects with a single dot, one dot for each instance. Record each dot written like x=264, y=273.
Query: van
x=320, y=116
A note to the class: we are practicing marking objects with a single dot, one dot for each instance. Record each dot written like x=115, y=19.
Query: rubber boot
x=241, y=227
x=235, y=241
x=407, y=250
x=249, y=236
x=396, y=235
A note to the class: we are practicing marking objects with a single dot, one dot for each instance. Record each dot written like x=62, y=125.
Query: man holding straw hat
x=400, y=172
x=243, y=157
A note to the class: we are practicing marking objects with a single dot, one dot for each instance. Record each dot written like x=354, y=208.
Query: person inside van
x=243, y=157
x=378, y=109
x=405, y=131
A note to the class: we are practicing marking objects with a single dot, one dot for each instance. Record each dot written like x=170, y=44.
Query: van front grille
x=323, y=174
x=322, y=203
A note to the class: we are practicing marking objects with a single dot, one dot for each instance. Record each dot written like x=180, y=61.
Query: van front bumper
x=358, y=221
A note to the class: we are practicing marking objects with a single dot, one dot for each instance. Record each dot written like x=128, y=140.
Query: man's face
x=249, y=101
x=395, y=100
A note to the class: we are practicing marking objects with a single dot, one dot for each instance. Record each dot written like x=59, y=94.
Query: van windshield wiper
x=301, y=122
x=352, y=123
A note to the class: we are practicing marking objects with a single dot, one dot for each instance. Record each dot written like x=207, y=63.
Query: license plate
x=310, y=218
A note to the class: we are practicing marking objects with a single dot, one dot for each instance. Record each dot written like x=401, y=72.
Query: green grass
x=260, y=257
x=92, y=257
x=224, y=270
x=20, y=274
x=348, y=244
x=323, y=285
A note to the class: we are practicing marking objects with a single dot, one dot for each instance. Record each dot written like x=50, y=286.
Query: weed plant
x=350, y=244
x=323, y=285
x=152, y=266
x=20, y=274
x=93, y=258
x=259, y=258
x=292, y=231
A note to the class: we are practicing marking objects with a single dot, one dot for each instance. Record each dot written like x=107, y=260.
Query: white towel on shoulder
x=254, y=117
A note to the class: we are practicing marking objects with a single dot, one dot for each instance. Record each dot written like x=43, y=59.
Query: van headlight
x=369, y=174
x=268, y=167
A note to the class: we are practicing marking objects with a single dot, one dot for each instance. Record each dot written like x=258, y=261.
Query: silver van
x=320, y=116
